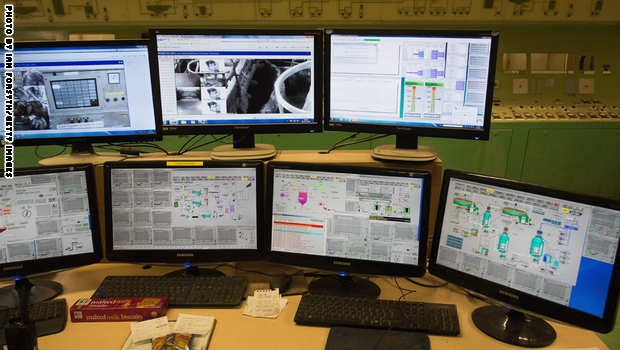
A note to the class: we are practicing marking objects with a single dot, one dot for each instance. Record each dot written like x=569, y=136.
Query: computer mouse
x=280, y=281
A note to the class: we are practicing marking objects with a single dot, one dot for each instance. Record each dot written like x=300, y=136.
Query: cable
x=331, y=148
x=180, y=151
x=206, y=143
x=426, y=285
x=39, y=156
x=143, y=145
x=371, y=138
x=404, y=292
x=269, y=274
x=194, y=143
x=318, y=274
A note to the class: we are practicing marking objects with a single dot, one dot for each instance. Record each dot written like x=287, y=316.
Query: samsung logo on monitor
x=185, y=255
x=342, y=263
x=508, y=294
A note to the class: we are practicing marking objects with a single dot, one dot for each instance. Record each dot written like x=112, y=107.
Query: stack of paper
x=265, y=303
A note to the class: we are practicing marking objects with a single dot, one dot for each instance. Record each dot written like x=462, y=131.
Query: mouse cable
x=425, y=284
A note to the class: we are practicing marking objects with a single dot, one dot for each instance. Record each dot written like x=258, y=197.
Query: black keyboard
x=327, y=310
x=186, y=291
x=49, y=317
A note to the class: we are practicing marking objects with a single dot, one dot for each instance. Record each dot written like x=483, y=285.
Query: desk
x=235, y=331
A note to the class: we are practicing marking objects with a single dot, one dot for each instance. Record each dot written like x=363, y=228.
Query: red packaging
x=118, y=309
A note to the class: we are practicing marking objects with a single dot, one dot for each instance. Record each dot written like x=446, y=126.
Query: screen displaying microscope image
x=559, y=250
x=183, y=208
x=44, y=216
x=409, y=79
x=82, y=91
x=365, y=217
x=236, y=79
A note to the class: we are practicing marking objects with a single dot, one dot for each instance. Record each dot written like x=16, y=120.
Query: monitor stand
x=81, y=153
x=406, y=149
x=193, y=270
x=41, y=290
x=243, y=148
x=344, y=285
x=513, y=327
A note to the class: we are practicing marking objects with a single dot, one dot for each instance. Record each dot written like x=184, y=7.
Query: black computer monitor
x=410, y=83
x=83, y=92
x=348, y=219
x=241, y=82
x=184, y=212
x=536, y=249
x=48, y=221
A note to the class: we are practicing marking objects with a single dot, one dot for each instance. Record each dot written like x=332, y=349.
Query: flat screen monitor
x=410, y=83
x=348, y=219
x=537, y=249
x=83, y=92
x=242, y=82
x=48, y=221
x=183, y=212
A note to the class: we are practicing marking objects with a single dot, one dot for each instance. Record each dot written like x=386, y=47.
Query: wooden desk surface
x=235, y=331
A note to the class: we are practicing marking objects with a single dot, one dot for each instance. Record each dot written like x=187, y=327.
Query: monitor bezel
x=457, y=133
x=514, y=297
x=348, y=265
x=156, y=136
x=185, y=255
x=259, y=128
x=40, y=266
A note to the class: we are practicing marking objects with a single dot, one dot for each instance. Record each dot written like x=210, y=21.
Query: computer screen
x=410, y=83
x=48, y=221
x=546, y=251
x=183, y=211
x=83, y=92
x=352, y=219
x=239, y=81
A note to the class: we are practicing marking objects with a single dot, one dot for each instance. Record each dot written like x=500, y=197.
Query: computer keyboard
x=185, y=291
x=49, y=317
x=327, y=310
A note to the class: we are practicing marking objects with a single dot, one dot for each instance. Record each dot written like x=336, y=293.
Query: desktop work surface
x=235, y=331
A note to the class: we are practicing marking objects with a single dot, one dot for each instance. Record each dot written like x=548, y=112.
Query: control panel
x=465, y=11
x=585, y=111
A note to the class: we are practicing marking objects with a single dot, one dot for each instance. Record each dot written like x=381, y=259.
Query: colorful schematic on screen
x=366, y=217
x=409, y=80
x=44, y=216
x=177, y=208
x=558, y=250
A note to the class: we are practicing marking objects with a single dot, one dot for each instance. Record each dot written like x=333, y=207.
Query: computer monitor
x=184, y=212
x=410, y=83
x=535, y=249
x=242, y=82
x=83, y=92
x=348, y=219
x=48, y=221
